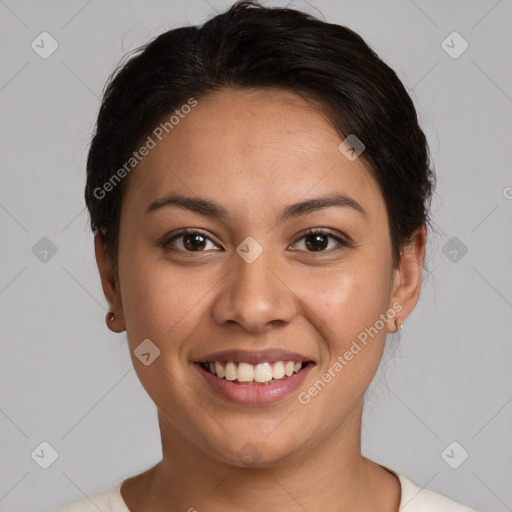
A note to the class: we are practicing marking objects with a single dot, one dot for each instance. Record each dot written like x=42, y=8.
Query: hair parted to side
x=254, y=47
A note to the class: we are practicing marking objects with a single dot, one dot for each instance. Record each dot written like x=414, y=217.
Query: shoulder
x=417, y=499
x=106, y=501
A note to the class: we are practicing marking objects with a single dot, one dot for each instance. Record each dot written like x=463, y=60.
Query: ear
x=407, y=278
x=110, y=285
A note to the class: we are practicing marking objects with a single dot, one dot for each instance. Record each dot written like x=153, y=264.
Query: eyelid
x=186, y=231
x=326, y=231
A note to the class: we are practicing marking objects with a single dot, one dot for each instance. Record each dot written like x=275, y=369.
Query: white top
x=413, y=499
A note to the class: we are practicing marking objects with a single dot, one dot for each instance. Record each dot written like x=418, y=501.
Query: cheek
x=351, y=294
x=159, y=299
x=345, y=306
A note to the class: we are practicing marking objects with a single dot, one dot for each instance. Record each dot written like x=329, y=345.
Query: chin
x=253, y=452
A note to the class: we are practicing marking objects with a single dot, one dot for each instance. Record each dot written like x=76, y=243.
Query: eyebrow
x=209, y=208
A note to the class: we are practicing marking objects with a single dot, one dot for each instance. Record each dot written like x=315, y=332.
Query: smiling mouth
x=264, y=373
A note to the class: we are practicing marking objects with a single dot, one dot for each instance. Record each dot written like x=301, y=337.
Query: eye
x=319, y=240
x=193, y=241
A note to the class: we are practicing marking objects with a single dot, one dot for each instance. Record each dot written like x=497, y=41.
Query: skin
x=255, y=152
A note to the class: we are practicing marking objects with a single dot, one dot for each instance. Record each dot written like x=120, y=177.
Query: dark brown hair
x=251, y=46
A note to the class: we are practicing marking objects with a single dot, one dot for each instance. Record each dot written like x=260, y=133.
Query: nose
x=255, y=296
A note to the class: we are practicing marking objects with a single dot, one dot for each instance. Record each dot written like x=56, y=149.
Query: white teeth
x=219, y=371
x=261, y=372
x=278, y=370
x=230, y=371
x=245, y=372
x=288, y=368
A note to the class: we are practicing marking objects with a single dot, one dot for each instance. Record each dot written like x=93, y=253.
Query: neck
x=327, y=476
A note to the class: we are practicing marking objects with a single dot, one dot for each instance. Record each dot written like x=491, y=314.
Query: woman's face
x=253, y=279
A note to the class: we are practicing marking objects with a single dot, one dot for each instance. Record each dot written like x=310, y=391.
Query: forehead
x=252, y=150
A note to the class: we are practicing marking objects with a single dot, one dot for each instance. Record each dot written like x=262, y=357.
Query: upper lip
x=254, y=356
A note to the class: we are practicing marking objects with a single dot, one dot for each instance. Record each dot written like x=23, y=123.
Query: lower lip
x=255, y=394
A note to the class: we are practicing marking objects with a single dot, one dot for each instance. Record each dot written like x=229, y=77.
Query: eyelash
x=166, y=244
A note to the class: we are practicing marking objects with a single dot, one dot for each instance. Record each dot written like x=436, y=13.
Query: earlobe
x=407, y=278
x=114, y=318
x=110, y=320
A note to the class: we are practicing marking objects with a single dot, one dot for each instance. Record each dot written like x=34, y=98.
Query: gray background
x=67, y=380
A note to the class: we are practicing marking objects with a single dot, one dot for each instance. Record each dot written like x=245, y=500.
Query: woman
x=259, y=189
